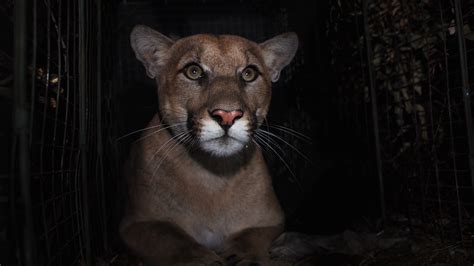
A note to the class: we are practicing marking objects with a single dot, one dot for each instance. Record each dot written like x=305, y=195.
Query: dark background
x=391, y=69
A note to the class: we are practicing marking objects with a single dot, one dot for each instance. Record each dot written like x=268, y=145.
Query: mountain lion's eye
x=249, y=74
x=193, y=72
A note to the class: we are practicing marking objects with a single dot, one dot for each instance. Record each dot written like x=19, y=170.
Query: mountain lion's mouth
x=221, y=142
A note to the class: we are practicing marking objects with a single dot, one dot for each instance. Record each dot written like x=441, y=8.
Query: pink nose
x=226, y=118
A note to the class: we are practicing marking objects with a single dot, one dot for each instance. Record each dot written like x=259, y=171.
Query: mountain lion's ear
x=150, y=48
x=278, y=52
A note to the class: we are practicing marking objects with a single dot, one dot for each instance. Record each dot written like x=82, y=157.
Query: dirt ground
x=400, y=243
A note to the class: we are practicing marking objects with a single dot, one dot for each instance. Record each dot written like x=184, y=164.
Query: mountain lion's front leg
x=162, y=243
x=250, y=247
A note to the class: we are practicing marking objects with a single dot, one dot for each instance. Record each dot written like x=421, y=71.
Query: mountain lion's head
x=216, y=87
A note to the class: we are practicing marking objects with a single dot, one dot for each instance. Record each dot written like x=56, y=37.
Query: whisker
x=139, y=130
x=192, y=143
x=270, y=140
x=189, y=141
x=260, y=146
x=167, y=142
x=281, y=139
x=259, y=138
x=292, y=132
x=283, y=161
x=159, y=130
x=179, y=141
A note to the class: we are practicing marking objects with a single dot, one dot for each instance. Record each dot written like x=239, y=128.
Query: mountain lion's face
x=216, y=87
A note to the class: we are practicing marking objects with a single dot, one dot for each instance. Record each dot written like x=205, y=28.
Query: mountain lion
x=199, y=190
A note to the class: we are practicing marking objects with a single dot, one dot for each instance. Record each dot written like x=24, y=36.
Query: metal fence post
x=21, y=132
x=83, y=116
x=373, y=94
x=100, y=142
x=465, y=85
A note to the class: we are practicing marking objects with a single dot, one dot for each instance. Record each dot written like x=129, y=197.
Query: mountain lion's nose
x=226, y=118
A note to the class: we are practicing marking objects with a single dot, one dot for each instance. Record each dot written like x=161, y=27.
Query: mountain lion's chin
x=222, y=147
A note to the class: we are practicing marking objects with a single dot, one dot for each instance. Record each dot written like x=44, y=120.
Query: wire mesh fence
x=414, y=93
x=60, y=198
